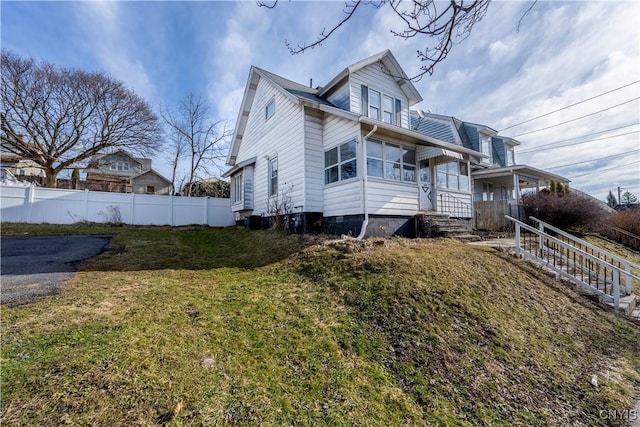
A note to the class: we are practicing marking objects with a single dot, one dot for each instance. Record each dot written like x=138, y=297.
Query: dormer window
x=374, y=104
x=379, y=106
x=511, y=156
x=119, y=166
x=485, y=148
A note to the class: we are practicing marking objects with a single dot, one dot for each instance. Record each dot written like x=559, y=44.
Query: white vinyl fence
x=37, y=205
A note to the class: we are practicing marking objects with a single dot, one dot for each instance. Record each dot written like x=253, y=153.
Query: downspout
x=365, y=223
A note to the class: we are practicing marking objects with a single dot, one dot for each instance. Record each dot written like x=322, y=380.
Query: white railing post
x=517, y=239
x=616, y=289
x=541, y=239
x=627, y=278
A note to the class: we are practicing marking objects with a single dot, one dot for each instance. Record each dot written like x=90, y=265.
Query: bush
x=565, y=209
x=628, y=220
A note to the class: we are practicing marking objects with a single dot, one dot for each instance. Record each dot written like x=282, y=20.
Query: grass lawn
x=201, y=326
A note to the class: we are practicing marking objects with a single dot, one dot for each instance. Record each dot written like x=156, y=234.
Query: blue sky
x=565, y=52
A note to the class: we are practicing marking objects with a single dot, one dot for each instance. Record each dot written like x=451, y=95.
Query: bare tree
x=189, y=126
x=59, y=117
x=444, y=23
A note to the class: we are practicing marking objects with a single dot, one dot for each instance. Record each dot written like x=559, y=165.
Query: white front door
x=425, y=186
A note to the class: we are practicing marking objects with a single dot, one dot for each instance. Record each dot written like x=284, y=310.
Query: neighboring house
x=352, y=155
x=24, y=169
x=496, y=176
x=120, y=172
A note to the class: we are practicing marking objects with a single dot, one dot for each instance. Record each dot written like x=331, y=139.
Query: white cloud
x=112, y=45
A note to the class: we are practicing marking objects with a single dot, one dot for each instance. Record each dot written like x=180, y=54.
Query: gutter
x=423, y=137
x=365, y=223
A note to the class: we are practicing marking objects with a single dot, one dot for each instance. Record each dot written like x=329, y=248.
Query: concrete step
x=628, y=305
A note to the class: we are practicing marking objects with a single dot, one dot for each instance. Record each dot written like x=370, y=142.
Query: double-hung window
x=374, y=104
x=390, y=161
x=379, y=106
x=273, y=176
x=486, y=148
x=387, y=109
x=453, y=176
x=340, y=163
x=511, y=157
x=237, y=188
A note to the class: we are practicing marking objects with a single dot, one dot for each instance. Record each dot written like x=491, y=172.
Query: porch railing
x=580, y=264
x=455, y=207
x=630, y=269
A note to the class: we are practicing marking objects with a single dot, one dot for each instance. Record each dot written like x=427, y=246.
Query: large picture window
x=340, y=163
x=273, y=176
x=390, y=161
x=453, y=176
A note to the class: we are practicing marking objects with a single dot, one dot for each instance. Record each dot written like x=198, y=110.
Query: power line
x=572, y=105
x=578, y=137
x=593, y=160
x=604, y=170
x=577, y=118
x=542, y=147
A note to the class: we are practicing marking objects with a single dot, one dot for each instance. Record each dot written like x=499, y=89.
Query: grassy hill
x=197, y=326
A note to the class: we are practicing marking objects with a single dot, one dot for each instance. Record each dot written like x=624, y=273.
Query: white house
x=350, y=155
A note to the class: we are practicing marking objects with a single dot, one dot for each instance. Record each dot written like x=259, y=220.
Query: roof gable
x=390, y=63
x=291, y=90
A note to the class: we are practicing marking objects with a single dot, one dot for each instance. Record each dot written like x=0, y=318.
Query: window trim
x=273, y=178
x=395, y=114
x=152, y=187
x=269, y=112
x=341, y=162
x=489, y=144
x=237, y=188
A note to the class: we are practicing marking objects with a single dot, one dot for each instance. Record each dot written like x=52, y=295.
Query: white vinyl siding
x=341, y=198
x=375, y=79
x=392, y=198
x=313, y=157
x=281, y=135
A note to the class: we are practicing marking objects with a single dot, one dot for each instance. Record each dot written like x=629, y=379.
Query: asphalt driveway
x=38, y=266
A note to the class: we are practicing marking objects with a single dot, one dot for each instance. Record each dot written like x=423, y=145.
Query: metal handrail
x=464, y=205
x=583, y=242
x=594, y=261
x=628, y=264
